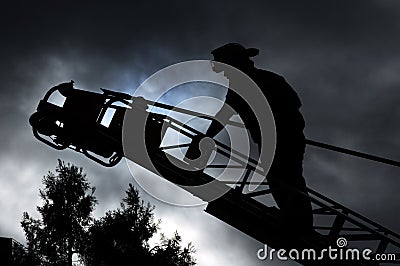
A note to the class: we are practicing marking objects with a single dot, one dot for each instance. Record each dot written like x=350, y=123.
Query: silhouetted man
x=286, y=169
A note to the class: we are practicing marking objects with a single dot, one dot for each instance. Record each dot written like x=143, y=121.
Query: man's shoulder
x=276, y=86
x=267, y=72
x=267, y=76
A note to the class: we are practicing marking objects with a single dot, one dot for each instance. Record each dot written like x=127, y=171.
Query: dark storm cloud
x=341, y=56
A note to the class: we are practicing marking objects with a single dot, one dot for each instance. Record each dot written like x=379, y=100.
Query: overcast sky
x=341, y=56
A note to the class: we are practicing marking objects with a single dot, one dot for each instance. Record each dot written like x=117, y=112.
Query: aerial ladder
x=79, y=124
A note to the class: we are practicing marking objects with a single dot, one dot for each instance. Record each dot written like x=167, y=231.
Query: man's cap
x=232, y=50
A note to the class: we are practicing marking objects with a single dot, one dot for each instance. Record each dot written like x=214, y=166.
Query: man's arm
x=221, y=119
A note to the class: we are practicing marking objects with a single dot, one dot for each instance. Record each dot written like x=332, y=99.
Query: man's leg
x=290, y=193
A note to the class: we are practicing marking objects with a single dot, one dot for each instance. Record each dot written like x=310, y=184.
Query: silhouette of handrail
x=353, y=153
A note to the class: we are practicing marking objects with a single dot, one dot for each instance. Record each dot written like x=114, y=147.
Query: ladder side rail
x=360, y=224
x=344, y=214
x=351, y=212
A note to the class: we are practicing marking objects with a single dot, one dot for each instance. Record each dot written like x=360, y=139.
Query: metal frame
x=244, y=210
x=112, y=97
x=345, y=223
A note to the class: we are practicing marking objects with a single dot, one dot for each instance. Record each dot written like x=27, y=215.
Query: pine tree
x=121, y=238
x=68, y=201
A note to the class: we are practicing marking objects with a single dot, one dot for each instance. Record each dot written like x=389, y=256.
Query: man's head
x=236, y=55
